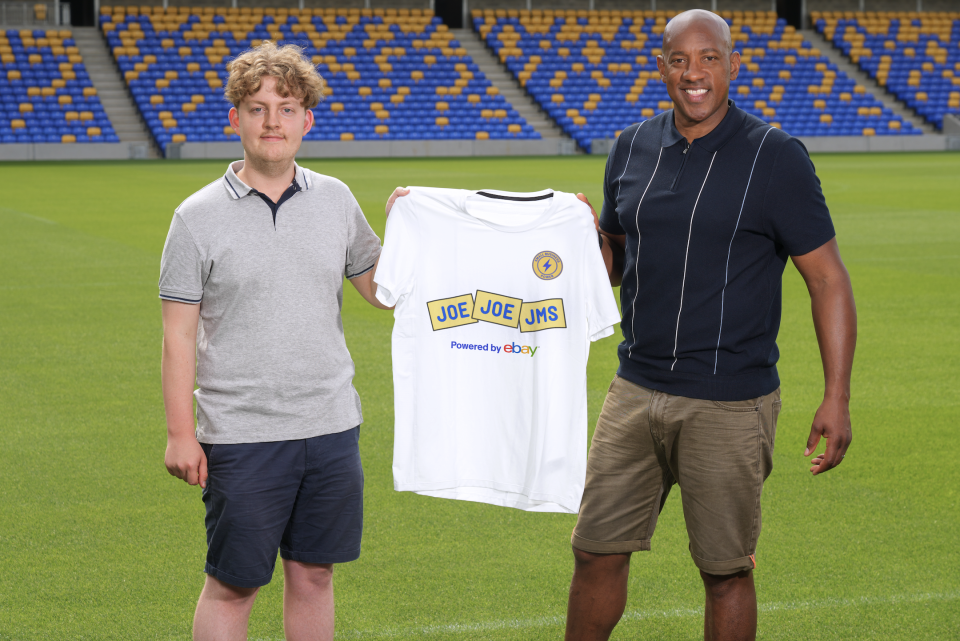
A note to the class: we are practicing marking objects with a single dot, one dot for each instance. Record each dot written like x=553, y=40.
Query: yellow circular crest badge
x=547, y=265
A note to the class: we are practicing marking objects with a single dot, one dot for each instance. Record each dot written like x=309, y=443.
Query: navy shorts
x=304, y=497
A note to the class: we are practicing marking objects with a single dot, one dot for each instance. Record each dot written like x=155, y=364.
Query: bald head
x=699, y=19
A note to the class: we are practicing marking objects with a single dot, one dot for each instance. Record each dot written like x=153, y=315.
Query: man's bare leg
x=307, y=601
x=730, y=610
x=598, y=595
x=223, y=611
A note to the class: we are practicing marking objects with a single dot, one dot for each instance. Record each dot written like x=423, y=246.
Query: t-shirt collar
x=238, y=189
x=715, y=139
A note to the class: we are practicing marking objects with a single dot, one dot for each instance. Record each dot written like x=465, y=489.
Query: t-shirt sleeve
x=181, y=265
x=397, y=267
x=363, y=245
x=602, y=311
x=609, y=220
x=795, y=211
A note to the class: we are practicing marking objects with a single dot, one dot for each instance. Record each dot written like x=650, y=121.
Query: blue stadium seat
x=384, y=69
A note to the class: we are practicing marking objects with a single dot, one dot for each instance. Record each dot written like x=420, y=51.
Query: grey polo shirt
x=272, y=364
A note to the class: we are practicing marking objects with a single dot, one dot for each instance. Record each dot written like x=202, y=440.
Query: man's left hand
x=832, y=422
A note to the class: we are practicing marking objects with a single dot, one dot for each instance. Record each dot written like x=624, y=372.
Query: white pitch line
x=637, y=615
x=26, y=215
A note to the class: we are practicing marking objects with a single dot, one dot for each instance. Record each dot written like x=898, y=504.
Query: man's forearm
x=177, y=375
x=613, y=257
x=366, y=286
x=835, y=321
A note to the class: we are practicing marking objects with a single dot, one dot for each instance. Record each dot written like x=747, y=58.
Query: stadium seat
x=43, y=82
x=915, y=56
x=404, y=61
x=602, y=65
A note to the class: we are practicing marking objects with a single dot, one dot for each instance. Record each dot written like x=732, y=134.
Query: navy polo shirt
x=709, y=227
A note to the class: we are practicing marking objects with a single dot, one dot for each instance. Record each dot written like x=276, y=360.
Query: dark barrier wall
x=82, y=13
x=451, y=11
x=790, y=10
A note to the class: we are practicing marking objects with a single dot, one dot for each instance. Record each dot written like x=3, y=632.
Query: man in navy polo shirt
x=703, y=205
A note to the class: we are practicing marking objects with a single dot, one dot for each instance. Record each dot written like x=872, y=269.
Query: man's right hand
x=185, y=459
x=611, y=249
x=399, y=192
x=596, y=219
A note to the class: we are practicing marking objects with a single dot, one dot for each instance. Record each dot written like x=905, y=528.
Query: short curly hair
x=295, y=74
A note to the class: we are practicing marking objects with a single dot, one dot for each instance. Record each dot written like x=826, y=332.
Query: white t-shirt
x=497, y=296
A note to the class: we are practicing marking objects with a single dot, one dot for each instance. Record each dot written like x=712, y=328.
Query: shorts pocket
x=749, y=405
x=613, y=382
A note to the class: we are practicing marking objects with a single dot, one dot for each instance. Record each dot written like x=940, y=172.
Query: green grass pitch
x=98, y=542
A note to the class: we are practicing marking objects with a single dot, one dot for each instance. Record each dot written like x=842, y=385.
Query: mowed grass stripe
x=97, y=541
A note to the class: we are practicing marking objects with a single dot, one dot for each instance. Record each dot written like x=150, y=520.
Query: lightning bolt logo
x=547, y=265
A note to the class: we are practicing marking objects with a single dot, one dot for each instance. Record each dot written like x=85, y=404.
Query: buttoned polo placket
x=239, y=189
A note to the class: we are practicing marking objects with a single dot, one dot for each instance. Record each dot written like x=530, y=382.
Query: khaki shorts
x=719, y=453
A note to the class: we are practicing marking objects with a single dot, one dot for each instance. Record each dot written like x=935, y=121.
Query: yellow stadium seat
x=869, y=131
x=93, y=131
x=68, y=138
x=381, y=129
x=442, y=121
x=178, y=138
x=228, y=131
x=483, y=135
x=346, y=136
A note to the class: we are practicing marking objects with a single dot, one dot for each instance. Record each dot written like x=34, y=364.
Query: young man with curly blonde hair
x=251, y=282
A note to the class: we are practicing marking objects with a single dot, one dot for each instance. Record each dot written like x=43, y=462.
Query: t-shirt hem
x=225, y=437
x=813, y=245
x=603, y=333
x=181, y=297
x=492, y=493
x=738, y=387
